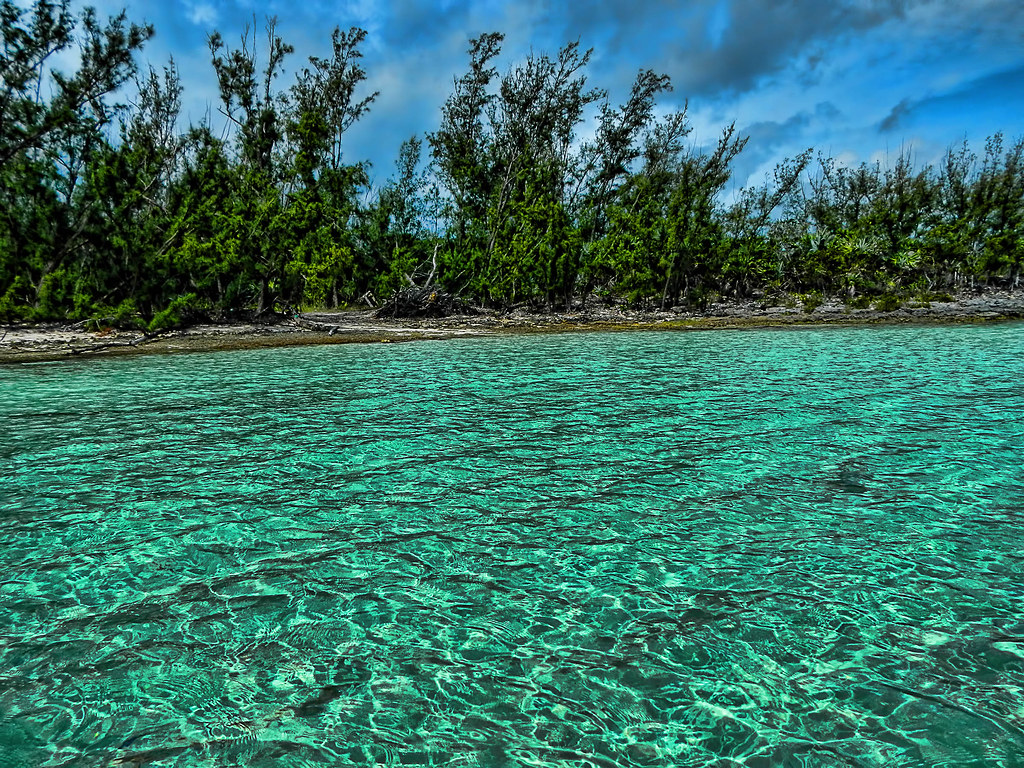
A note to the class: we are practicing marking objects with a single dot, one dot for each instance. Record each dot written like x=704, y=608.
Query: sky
x=860, y=80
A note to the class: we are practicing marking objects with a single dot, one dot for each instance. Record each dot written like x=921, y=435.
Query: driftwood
x=311, y=325
x=143, y=339
x=423, y=302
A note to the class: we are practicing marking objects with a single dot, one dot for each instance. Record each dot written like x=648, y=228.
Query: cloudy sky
x=858, y=79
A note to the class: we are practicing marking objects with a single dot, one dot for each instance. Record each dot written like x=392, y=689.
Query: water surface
x=758, y=548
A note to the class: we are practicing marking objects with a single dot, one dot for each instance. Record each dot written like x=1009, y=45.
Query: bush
x=888, y=303
x=12, y=310
x=812, y=301
x=177, y=313
x=124, y=315
x=859, y=302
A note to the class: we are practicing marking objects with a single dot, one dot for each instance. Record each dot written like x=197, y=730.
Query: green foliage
x=888, y=302
x=812, y=301
x=126, y=315
x=175, y=314
x=112, y=214
x=322, y=268
x=858, y=302
x=12, y=307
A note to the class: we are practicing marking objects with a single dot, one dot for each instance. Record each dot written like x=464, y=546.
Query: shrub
x=177, y=313
x=888, y=302
x=812, y=301
x=11, y=309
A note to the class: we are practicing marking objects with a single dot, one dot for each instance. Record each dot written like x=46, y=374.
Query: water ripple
x=754, y=548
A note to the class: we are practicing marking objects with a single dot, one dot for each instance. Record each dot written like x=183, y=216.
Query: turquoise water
x=757, y=548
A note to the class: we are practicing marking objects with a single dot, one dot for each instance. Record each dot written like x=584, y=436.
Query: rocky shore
x=42, y=342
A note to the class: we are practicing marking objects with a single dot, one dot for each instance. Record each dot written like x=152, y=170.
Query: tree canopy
x=535, y=189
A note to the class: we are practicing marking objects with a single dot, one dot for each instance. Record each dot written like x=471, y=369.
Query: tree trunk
x=264, y=299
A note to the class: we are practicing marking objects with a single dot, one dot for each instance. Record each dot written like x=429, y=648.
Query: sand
x=43, y=342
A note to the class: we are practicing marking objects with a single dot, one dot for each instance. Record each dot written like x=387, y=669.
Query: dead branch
x=143, y=339
x=423, y=302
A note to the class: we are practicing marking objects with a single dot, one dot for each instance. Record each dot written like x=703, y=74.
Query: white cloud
x=202, y=14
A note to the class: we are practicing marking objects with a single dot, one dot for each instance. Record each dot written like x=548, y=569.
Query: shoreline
x=53, y=342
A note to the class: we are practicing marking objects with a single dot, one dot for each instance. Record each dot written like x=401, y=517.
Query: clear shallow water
x=763, y=548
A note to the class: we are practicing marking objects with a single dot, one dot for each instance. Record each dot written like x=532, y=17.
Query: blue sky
x=857, y=79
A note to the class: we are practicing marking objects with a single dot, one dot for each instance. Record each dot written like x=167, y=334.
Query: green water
x=757, y=548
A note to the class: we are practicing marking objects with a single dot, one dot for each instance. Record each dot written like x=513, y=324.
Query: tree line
x=119, y=214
